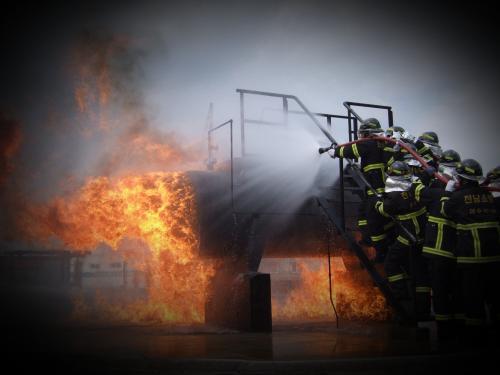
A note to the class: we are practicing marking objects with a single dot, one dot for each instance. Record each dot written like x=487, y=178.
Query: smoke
x=10, y=141
x=142, y=148
x=125, y=110
x=106, y=131
x=110, y=101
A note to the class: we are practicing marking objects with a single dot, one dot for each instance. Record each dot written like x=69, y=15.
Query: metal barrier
x=211, y=160
x=353, y=132
x=338, y=219
x=285, y=98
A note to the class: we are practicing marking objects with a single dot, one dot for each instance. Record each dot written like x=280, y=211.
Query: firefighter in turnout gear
x=374, y=155
x=419, y=173
x=427, y=145
x=493, y=180
x=477, y=249
x=404, y=258
x=394, y=132
x=438, y=248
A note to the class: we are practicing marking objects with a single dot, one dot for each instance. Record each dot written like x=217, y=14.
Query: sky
x=435, y=63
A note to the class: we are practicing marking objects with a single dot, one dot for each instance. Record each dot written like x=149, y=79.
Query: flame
x=159, y=209
x=354, y=296
x=142, y=148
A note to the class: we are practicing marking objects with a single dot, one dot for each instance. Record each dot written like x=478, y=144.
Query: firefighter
x=394, y=132
x=448, y=163
x=404, y=258
x=427, y=144
x=374, y=155
x=419, y=173
x=438, y=248
x=473, y=210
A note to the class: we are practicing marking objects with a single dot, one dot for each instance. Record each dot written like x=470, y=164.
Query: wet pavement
x=301, y=348
x=302, y=341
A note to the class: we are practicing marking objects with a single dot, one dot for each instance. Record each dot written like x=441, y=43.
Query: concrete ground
x=301, y=348
x=37, y=340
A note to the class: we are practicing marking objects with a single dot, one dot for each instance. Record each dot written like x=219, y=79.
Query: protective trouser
x=422, y=284
x=363, y=222
x=403, y=262
x=397, y=269
x=444, y=285
x=379, y=228
x=480, y=287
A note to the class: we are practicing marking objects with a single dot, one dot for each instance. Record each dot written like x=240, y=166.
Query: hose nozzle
x=322, y=150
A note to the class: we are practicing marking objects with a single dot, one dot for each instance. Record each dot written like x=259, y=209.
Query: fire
x=354, y=296
x=159, y=209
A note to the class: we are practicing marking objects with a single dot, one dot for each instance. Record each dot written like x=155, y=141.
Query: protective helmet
x=395, y=129
x=399, y=177
x=399, y=169
x=450, y=158
x=409, y=159
x=430, y=138
x=494, y=174
x=470, y=169
x=370, y=126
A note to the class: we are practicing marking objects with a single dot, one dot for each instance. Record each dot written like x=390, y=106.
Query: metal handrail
x=350, y=110
x=311, y=115
x=230, y=122
x=283, y=96
x=328, y=116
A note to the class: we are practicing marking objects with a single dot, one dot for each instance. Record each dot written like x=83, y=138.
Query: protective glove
x=331, y=152
x=450, y=186
x=396, y=147
x=407, y=137
x=430, y=171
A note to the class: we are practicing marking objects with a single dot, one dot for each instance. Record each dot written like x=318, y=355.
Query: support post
x=242, y=122
x=285, y=111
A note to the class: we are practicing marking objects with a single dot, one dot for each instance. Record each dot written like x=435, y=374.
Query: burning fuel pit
x=183, y=250
x=269, y=220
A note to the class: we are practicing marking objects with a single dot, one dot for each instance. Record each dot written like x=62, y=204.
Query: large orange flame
x=159, y=209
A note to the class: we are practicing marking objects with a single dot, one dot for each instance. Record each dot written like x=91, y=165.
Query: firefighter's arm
x=351, y=151
x=422, y=149
x=389, y=155
x=448, y=206
x=427, y=195
x=421, y=192
x=386, y=207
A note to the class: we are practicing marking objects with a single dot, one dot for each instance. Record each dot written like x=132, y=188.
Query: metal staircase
x=331, y=204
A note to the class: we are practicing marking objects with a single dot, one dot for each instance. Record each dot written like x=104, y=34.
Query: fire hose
x=401, y=144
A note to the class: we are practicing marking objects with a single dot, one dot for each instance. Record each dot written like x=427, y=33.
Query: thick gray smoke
x=167, y=64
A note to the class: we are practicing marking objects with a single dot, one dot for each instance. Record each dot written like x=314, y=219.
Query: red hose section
x=411, y=151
